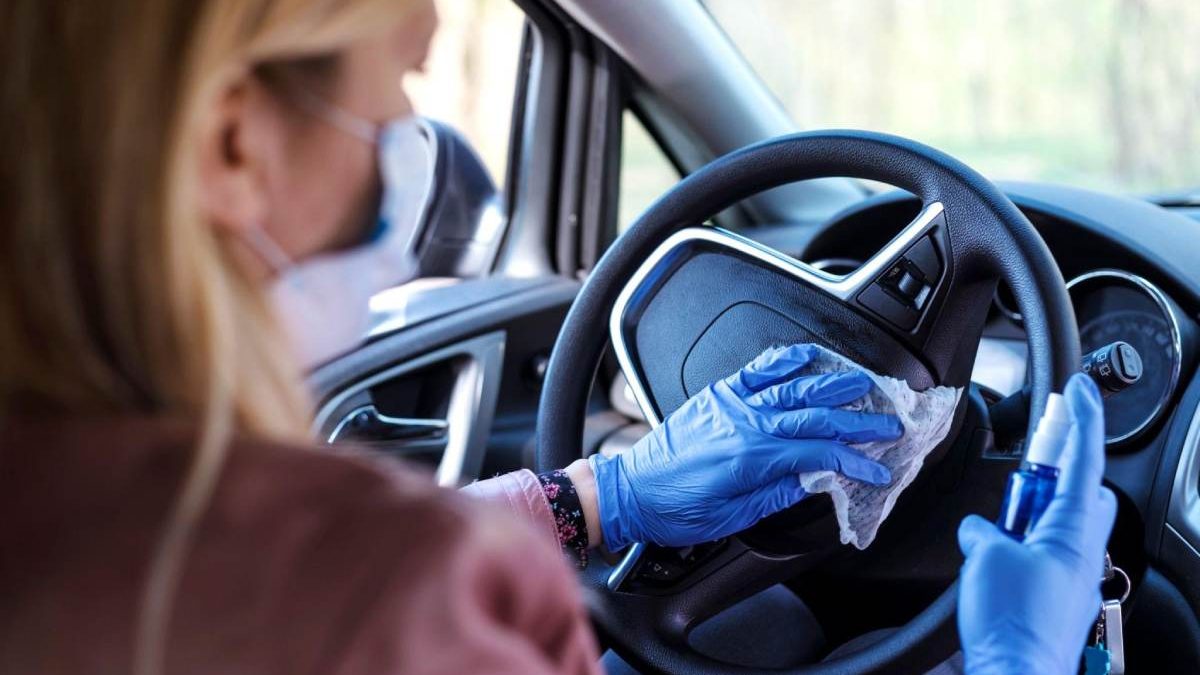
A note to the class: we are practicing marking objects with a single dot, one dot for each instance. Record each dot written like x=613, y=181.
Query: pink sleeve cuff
x=520, y=493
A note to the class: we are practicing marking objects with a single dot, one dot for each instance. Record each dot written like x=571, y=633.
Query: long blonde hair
x=115, y=296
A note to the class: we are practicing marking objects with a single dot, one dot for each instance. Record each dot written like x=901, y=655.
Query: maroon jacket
x=307, y=561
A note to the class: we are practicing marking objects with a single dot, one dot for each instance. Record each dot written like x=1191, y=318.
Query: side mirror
x=464, y=217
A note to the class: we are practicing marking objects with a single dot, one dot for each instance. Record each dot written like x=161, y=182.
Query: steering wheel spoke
x=651, y=602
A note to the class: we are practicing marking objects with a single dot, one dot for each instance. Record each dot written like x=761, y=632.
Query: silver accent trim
x=842, y=287
x=620, y=397
x=1183, y=510
x=431, y=425
x=824, y=264
x=621, y=572
x=845, y=288
x=471, y=406
x=1164, y=303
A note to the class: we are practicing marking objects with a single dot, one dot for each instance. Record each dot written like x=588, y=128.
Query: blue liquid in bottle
x=1031, y=487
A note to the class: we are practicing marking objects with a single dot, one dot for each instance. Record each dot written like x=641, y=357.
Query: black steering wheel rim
x=991, y=239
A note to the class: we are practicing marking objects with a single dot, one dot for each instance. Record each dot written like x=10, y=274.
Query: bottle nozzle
x=1046, y=445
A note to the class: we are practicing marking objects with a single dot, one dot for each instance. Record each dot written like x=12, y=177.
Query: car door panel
x=457, y=391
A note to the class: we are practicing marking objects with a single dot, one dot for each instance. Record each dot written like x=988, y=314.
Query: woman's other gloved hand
x=1027, y=608
x=732, y=454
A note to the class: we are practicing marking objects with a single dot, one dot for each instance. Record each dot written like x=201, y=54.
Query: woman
x=175, y=170
x=184, y=162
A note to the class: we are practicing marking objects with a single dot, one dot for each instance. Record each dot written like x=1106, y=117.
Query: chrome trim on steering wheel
x=844, y=288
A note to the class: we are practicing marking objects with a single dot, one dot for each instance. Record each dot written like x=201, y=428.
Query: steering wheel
x=687, y=304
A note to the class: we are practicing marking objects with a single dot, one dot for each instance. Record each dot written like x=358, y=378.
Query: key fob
x=1114, y=636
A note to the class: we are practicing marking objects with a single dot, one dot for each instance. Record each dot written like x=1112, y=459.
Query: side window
x=646, y=172
x=470, y=77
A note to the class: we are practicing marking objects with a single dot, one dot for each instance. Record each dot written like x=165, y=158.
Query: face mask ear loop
x=270, y=252
x=348, y=122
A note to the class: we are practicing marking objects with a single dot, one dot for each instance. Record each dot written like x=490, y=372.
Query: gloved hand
x=732, y=454
x=1027, y=608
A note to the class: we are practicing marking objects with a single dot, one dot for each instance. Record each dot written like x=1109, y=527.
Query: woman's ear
x=235, y=155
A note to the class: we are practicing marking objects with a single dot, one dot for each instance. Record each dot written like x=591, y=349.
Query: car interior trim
x=471, y=404
x=536, y=146
x=415, y=425
x=1183, y=512
x=726, y=105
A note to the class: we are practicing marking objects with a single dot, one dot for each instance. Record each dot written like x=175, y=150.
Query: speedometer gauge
x=1111, y=305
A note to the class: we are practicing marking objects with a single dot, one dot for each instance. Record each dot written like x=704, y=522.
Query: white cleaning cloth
x=926, y=416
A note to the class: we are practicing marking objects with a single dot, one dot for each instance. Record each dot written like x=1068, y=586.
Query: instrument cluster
x=1114, y=305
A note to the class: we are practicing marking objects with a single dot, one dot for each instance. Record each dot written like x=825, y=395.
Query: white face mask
x=323, y=303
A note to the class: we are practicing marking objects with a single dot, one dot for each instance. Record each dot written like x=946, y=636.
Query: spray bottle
x=1031, y=487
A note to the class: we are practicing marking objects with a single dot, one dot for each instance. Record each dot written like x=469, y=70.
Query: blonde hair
x=115, y=295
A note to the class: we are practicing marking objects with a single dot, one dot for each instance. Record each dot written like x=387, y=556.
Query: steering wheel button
x=923, y=296
x=889, y=308
x=924, y=256
x=910, y=286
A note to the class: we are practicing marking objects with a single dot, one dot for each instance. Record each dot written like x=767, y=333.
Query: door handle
x=459, y=439
x=366, y=424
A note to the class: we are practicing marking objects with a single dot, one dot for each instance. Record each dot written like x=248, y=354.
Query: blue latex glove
x=732, y=454
x=1028, y=608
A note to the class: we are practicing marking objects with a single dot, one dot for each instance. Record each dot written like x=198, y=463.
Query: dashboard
x=1133, y=274
x=1118, y=292
x=1111, y=305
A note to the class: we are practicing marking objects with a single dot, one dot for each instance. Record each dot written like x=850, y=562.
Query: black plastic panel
x=1162, y=635
x=711, y=358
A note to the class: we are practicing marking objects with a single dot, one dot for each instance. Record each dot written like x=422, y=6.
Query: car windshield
x=1095, y=93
